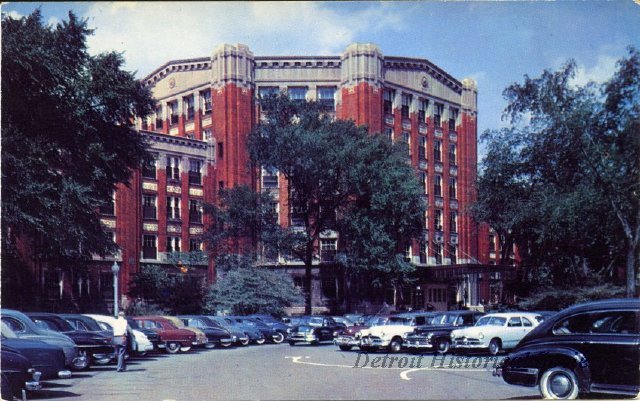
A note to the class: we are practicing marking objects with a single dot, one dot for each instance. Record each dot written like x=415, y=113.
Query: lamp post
x=115, y=269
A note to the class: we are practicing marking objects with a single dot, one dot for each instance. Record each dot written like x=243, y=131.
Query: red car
x=172, y=339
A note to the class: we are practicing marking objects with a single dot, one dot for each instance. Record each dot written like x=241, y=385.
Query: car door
x=326, y=331
x=513, y=332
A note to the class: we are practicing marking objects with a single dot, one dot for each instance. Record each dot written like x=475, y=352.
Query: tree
x=67, y=138
x=562, y=182
x=330, y=169
x=245, y=289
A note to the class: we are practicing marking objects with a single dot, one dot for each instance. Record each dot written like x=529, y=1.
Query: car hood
x=432, y=329
x=87, y=338
x=474, y=331
x=383, y=331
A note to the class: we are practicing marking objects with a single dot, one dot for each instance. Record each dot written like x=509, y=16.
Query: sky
x=496, y=43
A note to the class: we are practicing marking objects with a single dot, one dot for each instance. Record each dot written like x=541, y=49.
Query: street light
x=115, y=269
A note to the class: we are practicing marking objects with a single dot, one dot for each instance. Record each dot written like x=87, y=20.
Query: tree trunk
x=631, y=271
x=308, y=264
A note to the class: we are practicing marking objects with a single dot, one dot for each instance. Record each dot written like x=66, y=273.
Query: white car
x=495, y=332
x=390, y=335
x=141, y=344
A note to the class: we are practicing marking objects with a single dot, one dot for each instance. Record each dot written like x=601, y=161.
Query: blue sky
x=496, y=43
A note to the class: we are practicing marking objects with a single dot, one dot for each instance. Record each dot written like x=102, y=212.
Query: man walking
x=120, y=341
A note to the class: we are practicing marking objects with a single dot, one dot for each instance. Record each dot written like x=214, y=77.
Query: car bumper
x=229, y=340
x=346, y=341
x=64, y=374
x=417, y=343
x=518, y=376
x=469, y=343
x=303, y=338
x=34, y=383
x=375, y=342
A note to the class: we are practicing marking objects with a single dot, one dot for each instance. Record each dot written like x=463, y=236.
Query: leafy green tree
x=67, y=138
x=562, y=182
x=244, y=288
x=330, y=169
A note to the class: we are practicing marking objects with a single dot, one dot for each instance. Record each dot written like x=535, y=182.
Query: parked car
x=313, y=330
x=343, y=320
x=90, y=345
x=85, y=323
x=216, y=334
x=349, y=337
x=172, y=339
x=437, y=335
x=269, y=333
x=201, y=338
x=151, y=335
x=48, y=359
x=495, y=332
x=389, y=336
x=588, y=348
x=24, y=328
x=242, y=329
x=277, y=325
x=241, y=337
x=137, y=341
x=17, y=374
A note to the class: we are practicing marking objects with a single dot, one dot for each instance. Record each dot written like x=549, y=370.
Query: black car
x=215, y=333
x=90, y=345
x=588, y=348
x=268, y=332
x=152, y=335
x=276, y=324
x=17, y=374
x=437, y=335
x=313, y=330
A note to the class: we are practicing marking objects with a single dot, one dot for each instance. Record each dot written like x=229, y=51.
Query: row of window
x=423, y=106
x=173, y=164
x=422, y=146
x=150, y=245
x=149, y=208
x=325, y=95
x=437, y=185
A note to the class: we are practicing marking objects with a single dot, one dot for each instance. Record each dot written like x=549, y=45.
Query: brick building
x=206, y=107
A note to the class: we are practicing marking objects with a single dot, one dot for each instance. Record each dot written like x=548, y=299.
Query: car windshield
x=7, y=332
x=491, y=321
x=90, y=324
x=399, y=321
x=317, y=321
x=52, y=323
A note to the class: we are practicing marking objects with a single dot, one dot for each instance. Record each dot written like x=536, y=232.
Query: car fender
x=543, y=357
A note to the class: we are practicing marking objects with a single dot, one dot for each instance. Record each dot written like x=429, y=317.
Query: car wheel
x=210, y=345
x=559, y=383
x=443, y=346
x=82, y=361
x=172, y=347
x=278, y=338
x=185, y=349
x=260, y=341
x=345, y=347
x=395, y=346
x=225, y=345
x=292, y=343
x=494, y=346
x=245, y=341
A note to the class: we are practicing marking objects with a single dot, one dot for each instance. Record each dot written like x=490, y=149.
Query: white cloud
x=599, y=73
x=153, y=33
x=53, y=21
x=13, y=14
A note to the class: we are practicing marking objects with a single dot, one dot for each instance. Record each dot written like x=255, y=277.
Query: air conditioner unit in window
x=454, y=240
x=438, y=238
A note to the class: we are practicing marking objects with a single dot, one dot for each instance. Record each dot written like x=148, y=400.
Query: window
x=149, y=169
x=188, y=107
x=437, y=219
x=526, y=322
x=453, y=118
x=195, y=245
x=173, y=208
x=453, y=183
x=173, y=112
x=424, y=251
x=453, y=222
x=326, y=98
x=269, y=178
x=388, y=96
x=173, y=244
x=406, y=104
x=14, y=324
x=453, y=254
x=207, y=135
x=109, y=208
x=452, y=153
x=423, y=181
x=388, y=132
x=195, y=211
x=268, y=91
x=195, y=176
x=149, y=206
x=423, y=104
x=149, y=249
x=437, y=185
x=328, y=249
x=159, y=119
x=422, y=149
x=297, y=94
x=407, y=253
x=492, y=243
x=606, y=322
x=437, y=151
x=220, y=150
x=406, y=141
x=437, y=114
x=173, y=168
x=515, y=322
x=205, y=98
x=437, y=253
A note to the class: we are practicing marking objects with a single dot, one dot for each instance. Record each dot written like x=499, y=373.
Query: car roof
x=607, y=304
x=512, y=314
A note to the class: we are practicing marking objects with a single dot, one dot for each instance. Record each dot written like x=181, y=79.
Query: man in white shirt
x=120, y=340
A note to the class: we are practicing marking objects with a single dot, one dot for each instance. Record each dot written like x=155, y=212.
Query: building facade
x=206, y=108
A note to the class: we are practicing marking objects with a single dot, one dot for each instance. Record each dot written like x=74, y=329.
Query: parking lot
x=283, y=372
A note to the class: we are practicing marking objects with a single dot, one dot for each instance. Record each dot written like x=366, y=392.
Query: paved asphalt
x=284, y=372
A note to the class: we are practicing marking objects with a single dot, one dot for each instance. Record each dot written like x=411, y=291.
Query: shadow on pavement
x=46, y=394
